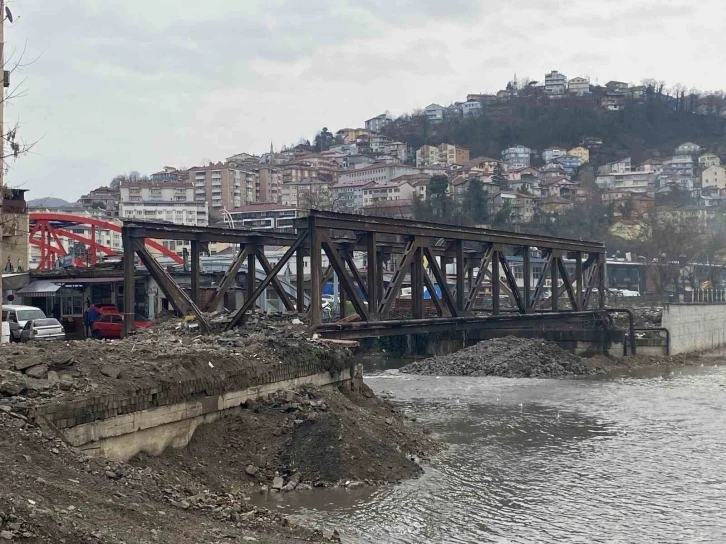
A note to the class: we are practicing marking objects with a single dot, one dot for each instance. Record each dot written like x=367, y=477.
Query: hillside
x=650, y=127
x=47, y=202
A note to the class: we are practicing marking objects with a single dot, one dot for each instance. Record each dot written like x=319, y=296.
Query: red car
x=111, y=326
x=104, y=309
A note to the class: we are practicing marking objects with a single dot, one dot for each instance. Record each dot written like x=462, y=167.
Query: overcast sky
x=139, y=84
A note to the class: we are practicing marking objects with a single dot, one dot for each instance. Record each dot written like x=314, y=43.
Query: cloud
x=137, y=84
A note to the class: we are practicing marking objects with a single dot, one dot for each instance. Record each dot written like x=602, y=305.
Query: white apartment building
x=349, y=196
x=471, y=108
x=517, y=156
x=709, y=159
x=552, y=153
x=714, y=176
x=376, y=123
x=434, y=113
x=377, y=173
x=173, y=202
x=555, y=84
x=220, y=186
x=374, y=194
x=633, y=182
x=579, y=85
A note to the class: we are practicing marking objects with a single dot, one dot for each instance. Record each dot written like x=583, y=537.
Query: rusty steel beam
x=432, y=291
x=129, y=281
x=394, y=286
x=176, y=295
x=440, y=278
x=348, y=259
x=344, y=279
x=240, y=313
x=228, y=280
x=384, y=225
x=512, y=282
x=567, y=285
x=300, y=279
x=483, y=269
x=372, y=278
x=539, y=290
x=417, y=284
x=277, y=286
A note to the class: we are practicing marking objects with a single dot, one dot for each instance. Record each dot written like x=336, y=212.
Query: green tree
x=475, y=202
x=438, y=193
x=499, y=176
x=323, y=140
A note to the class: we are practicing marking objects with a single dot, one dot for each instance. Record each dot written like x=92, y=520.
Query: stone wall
x=695, y=327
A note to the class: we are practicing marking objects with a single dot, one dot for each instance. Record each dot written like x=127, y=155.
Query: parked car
x=104, y=309
x=17, y=316
x=112, y=325
x=46, y=328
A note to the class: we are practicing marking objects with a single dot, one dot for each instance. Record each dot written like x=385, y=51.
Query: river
x=632, y=458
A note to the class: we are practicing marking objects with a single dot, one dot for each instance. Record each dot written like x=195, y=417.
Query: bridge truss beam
x=419, y=252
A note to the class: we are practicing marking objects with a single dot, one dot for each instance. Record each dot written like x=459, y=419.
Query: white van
x=17, y=316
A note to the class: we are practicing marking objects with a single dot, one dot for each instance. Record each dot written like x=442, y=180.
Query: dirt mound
x=49, y=493
x=509, y=357
x=308, y=437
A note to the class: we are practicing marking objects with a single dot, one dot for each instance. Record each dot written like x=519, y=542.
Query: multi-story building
x=581, y=152
x=378, y=173
x=651, y=165
x=444, y=154
x=434, y=113
x=173, y=202
x=616, y=167
x=377, y=142
x=521, y=206
x=679, y=165
x=569, y=163
x=349, y=196
x=376, y=124
x=578, y=86
x=350, y=135
x=688, y=148
x=400, y=190
x=471, y=108
x=166, y=174
x=709, y=159
x=613, y=101
x=714, y=176
x=265, y=215
x=104, y=198
x=310, y=166
x=616, y=86
x=309, y=194
x=219, y=185
x=633, y=182
x=517, y=156
x=268, y=188
x=555, y=84
x=427, y=155
x=552, y=153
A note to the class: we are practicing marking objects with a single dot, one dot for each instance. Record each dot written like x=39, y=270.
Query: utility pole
x=2, y=144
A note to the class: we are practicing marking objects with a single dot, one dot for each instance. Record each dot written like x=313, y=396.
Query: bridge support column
x=129, y=281
x=195, y=266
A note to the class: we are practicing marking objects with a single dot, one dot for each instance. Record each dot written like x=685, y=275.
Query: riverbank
x=287, y=440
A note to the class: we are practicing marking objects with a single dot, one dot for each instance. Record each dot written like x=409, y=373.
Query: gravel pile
x=508, y=357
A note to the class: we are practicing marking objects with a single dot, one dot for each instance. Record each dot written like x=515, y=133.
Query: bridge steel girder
x=415, y=249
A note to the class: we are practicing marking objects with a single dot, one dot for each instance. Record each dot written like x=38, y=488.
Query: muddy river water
x=626, y=459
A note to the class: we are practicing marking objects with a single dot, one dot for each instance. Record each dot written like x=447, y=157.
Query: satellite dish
x=8, y=14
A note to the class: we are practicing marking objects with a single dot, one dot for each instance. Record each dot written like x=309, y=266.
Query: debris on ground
x=509, y=357
x=301, y=439
x=40, y=373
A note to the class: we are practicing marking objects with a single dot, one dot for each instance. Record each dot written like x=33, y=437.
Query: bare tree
x=668, y=242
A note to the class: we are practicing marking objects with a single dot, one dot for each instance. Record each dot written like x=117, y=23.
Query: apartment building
x=714, y=176
x=552, y=153
x=444, y=154
x=349, y=196
x=581, y=152
x=103, y=198
x=555, y=84
x=401, y=190
x=220, y=186
x=173, y=202
x=377, y=123
x=578, y=86
x=268, y=185
x=378, y=173
x=517, y=156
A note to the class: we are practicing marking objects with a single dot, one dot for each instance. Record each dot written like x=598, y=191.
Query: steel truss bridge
x=419, y=251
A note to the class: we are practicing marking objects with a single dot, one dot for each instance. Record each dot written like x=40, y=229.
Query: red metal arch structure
x=46, y=230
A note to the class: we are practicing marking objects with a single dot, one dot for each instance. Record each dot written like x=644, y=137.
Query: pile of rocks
x=508, y=357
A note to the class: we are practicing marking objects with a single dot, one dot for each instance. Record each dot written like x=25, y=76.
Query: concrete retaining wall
x=119, y=426
x=695, y=327
x=152, y=431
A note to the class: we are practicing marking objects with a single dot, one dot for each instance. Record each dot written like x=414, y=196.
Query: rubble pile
x=38, y=373
x=298, y=440
x=508, y=357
